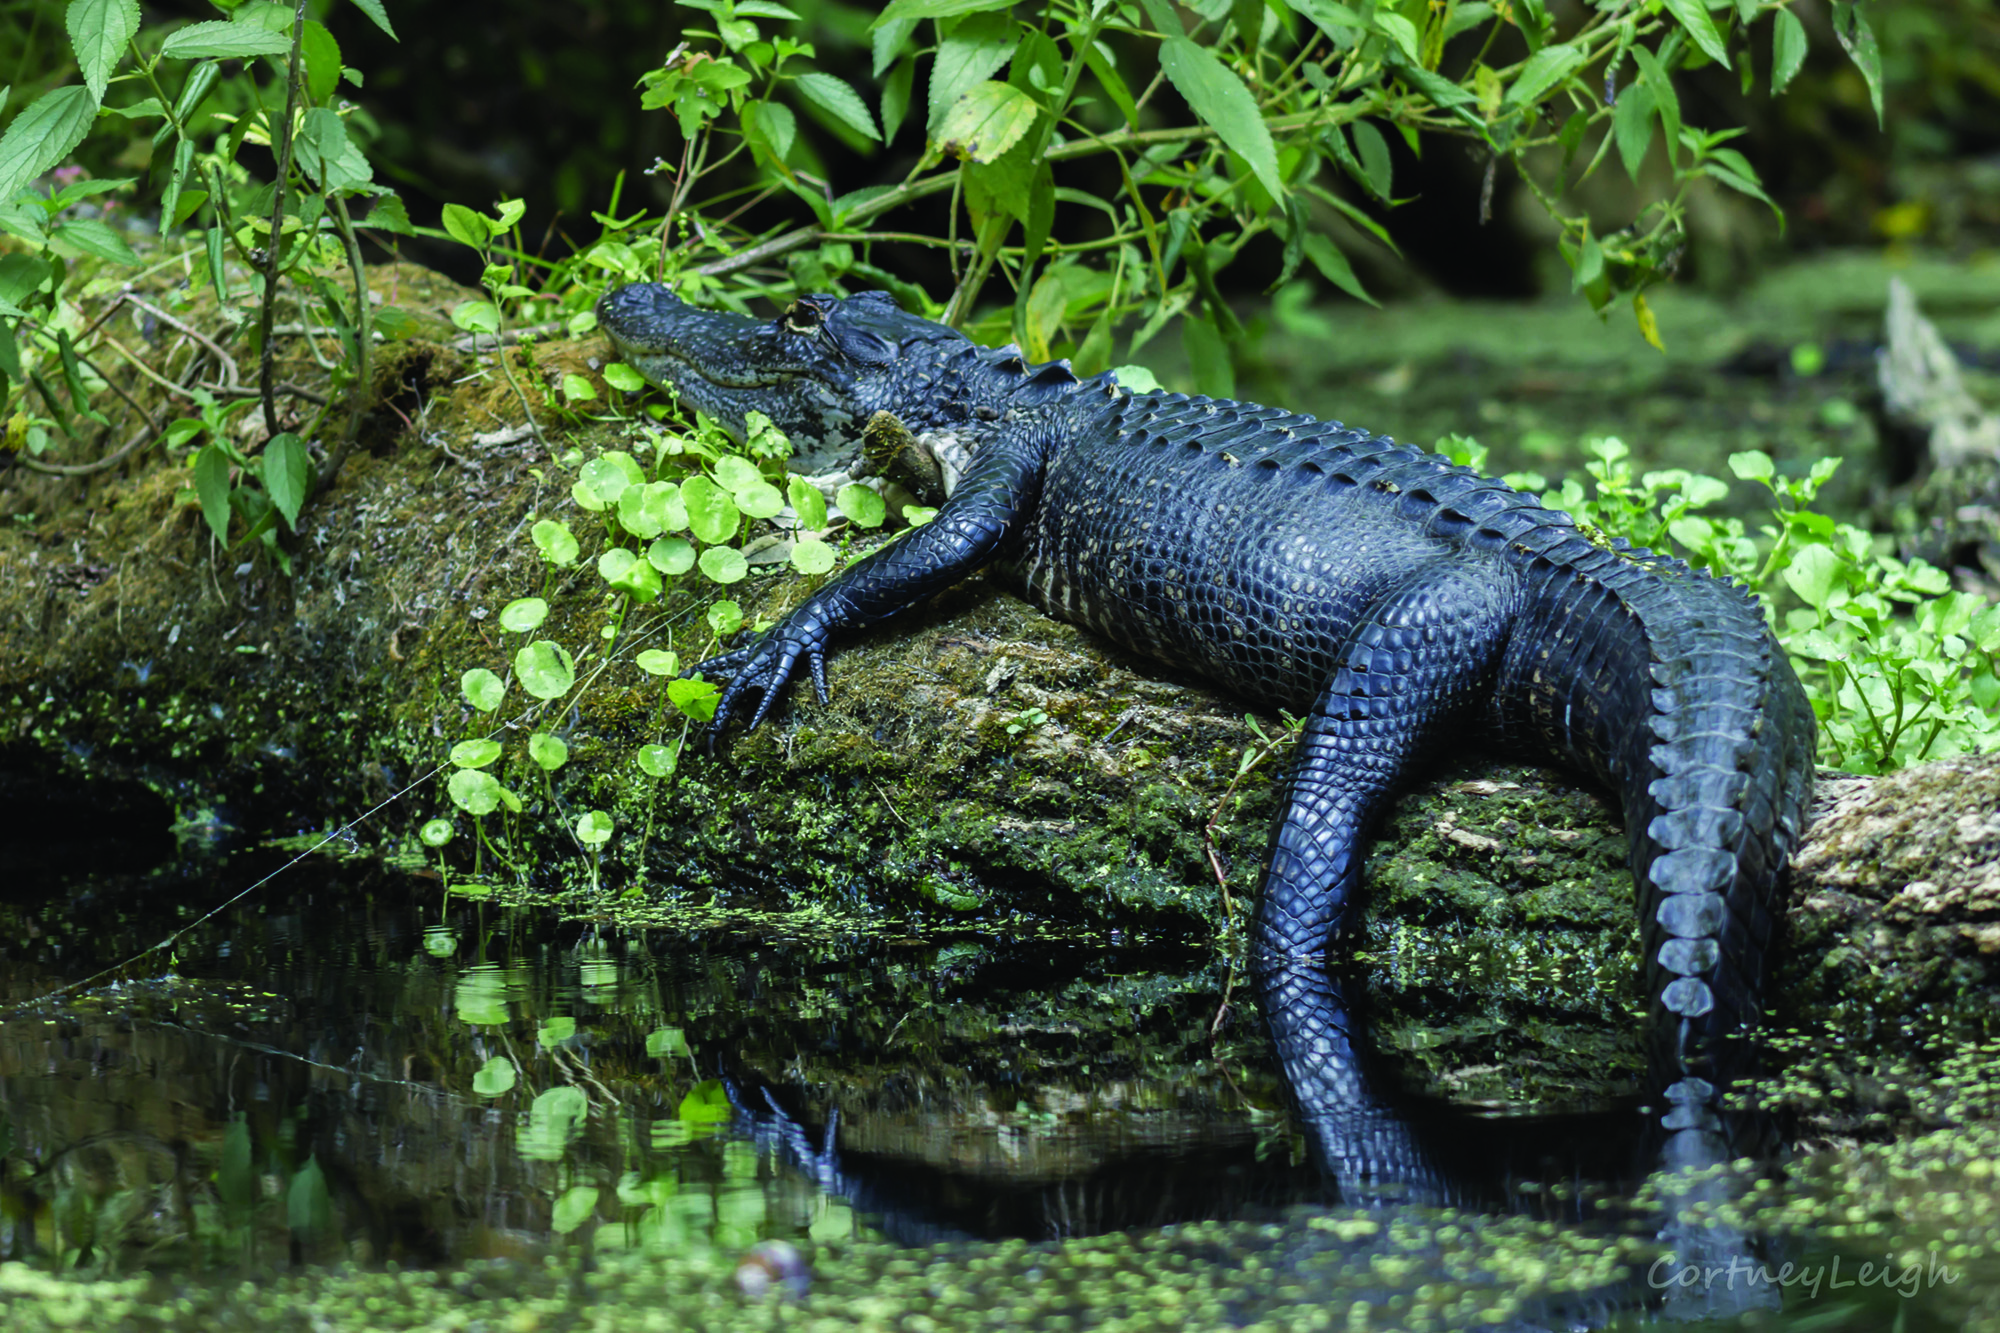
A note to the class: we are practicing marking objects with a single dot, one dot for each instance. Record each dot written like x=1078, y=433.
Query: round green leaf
x=576, y=388
x=553, y=540
x=482, y=689
x=614, y=563
x=476, y=316
x=439, y=942
x=523, y=614
x=545, y=669
x=807, y=502
x=657, y=663
x=474, y=791
x=811, y=556
x=475, y=754
x=593, y=828
x=712, y=514
x=608, y=474
x=861, y=505
x=671, y=555
x=660, y=761
x=724, y=564
x=435, y=832
x=725, y=618
x=629, y=574
x=495, y=1078
x=548, y=751
x=760, y=499
x=623, y=378
x=634, y=515
x=733, y=472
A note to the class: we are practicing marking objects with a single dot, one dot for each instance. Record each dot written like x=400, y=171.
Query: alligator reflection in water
x=348, y=1070
x=1429, y=1168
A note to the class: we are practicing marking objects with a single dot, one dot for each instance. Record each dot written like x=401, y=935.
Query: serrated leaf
x=1543, y=71
x=94, y=236
x=1333, y=266
x=230, y=41
x=935, y=9
x=374, y=10
x=1215, y=94
x=985, y=122
x=976, y=48
x=835, y=97
x=1788, y=50
x=887, y=43
x=286, y=469
x=1377, y=167
x=98, y=32
x=1858, y=40
x=43, y=135
x=1693, y=16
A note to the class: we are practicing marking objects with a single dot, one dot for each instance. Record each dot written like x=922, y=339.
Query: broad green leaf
x=712, y=513
x=98, y=32
x=231, y=41
x=772, y=127
x=1857, y=39
x=475, y=754
x=1755, y=465
x=574, y=1206
x=1218, y=96
x=725, y=618
x=861, y=505
x=1333, y=266
x=1376, y=164
x=474, y=791
x=812, y=556
x=577, y=388
x=664, y=1043
x=1812, y=574
x=495, y=1078
x=1543, y=71
x=286, y=469
x=935, y=9
x=211, y=487
x=835, y=97
x=1400, y=31
x=1788, y=49
x=555, y=543
x=656, y=662
x=436, y=832
x=21, y=276
x=476, y=316
x=1662, y=85
x=733, y=472
x=807, y=503
x=44, y=134
x=523, y=614
x=985, y=122
x=482, y=689
x=321, y=56
x=593, y=828
x=467, y=227
x=610, y=473
x=660, y=761
x=724, y=564
x=671, y=555
x=374, y=10
x=1693, y=16
x=545, y=669
x=634, y=577
x=94, y=236
x=760, y=499
x=1632, y=126
x=975, y=48
x=623, y=378
x=696, y=698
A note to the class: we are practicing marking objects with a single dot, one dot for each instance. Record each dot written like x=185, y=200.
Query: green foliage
x=1899, y=667
x=1257, y=119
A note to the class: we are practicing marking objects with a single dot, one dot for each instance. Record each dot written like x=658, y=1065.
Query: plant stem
x=267, y=370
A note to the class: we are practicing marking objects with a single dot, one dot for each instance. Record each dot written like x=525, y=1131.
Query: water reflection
x=352, y=1066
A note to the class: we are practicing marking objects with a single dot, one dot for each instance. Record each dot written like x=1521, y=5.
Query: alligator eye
x=803, y=317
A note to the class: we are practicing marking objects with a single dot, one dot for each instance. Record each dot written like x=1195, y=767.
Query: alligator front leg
x=996, y=496
x=1410, y=669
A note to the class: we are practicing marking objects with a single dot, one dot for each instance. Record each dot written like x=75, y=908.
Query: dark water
x=351, y=1066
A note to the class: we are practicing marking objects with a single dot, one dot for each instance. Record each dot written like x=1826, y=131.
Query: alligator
x=1397, y=602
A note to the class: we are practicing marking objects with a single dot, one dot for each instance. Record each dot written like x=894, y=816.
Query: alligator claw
x=766, y=666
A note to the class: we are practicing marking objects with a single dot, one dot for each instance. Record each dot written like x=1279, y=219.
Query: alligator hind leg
x=1412, y=668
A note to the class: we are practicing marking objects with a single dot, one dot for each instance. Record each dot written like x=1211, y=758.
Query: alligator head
x=826, y=365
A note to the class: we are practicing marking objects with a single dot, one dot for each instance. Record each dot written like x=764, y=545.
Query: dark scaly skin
x=1401, y=604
